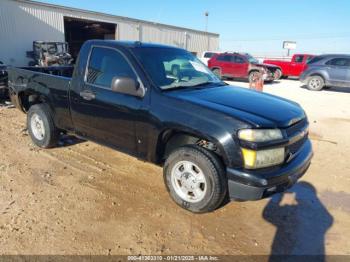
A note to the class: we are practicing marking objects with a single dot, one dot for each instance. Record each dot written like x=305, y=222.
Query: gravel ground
x=82, y=198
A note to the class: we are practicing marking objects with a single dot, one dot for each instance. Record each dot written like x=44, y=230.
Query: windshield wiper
x=209, y=83
x=176, y=87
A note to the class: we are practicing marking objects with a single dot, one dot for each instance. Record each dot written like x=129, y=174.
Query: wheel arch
x=318, y=74
x=215, y=67
x=30, y=97
x=253, y=70
x=170, y=139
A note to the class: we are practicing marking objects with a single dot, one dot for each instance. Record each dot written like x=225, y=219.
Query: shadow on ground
x=68, y=140
x=333, y=89
x=301, y=222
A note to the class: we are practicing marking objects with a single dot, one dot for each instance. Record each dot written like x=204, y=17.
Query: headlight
x=262, y=158
x=260, y=135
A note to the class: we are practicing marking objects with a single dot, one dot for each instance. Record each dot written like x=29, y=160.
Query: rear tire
x=195, y=179
x=315, y=83
x=41, y=127
x=278, y=74
x=217, y=72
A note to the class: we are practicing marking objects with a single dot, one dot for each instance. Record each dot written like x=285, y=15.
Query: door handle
x=87, y=95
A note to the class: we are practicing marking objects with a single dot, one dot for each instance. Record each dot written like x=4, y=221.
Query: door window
x=339, y=62
x=299, y=59
x=238, y=60
x=105, y=64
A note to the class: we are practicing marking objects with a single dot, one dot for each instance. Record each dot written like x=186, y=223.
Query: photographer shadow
x=301, y=224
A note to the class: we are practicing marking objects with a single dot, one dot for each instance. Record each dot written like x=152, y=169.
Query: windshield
x=61, y=47
x=54, y=48
x=252, y=59
x=172, y=68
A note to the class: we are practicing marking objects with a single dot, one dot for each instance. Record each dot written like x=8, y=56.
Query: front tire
x=315, y=83
x=175, y=70
x=41, y=127
x=253, y=76
x=195, y=179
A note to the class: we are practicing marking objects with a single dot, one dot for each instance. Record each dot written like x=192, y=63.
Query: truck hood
x=259, y=109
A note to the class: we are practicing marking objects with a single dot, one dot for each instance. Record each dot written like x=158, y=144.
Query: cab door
x=297, y=65
x=100, y=114
x=339, y=71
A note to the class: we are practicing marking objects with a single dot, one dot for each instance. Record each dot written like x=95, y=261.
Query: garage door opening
x=77, y=31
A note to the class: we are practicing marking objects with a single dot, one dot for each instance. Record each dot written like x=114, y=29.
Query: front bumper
x=258, y=184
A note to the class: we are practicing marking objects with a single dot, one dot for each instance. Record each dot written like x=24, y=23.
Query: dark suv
x=242, y=65
x=326, y=71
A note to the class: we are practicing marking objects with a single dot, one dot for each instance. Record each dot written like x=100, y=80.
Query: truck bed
x=64, y=71
x=53, y=82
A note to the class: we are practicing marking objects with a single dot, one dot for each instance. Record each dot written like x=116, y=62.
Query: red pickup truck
x=294, y=67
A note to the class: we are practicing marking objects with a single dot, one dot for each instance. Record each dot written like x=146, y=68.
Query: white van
x=207, y=55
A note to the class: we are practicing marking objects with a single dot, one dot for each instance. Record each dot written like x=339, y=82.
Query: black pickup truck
x=3, y=81
x=213, y=140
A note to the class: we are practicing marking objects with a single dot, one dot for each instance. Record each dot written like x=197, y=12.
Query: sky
x=254, y=26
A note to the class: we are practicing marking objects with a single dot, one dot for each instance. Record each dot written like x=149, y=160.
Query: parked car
x=326, y=71
x=241, y=65
x=176, y=66
x=49, y=54
x=3, y=81
x=291, y=68
x=205, y=57
x=212, y=140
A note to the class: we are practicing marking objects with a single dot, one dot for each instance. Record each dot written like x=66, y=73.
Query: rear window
x=315, y=60
x=224, y=58
x=299, y=59
x=339, y=62
x=209, y=55
x=105, y=64
x=309, y=58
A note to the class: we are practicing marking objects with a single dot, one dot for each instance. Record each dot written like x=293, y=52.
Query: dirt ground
x=82, y=198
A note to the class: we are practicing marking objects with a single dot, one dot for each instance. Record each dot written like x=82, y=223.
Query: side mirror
x=127, y=85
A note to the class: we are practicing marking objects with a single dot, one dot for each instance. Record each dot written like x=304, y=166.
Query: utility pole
x=206, y=28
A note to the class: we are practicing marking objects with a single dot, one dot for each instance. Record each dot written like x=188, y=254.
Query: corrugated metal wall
x=23, y=22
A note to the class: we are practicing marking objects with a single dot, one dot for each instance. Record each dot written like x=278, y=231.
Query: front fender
x=172, y=113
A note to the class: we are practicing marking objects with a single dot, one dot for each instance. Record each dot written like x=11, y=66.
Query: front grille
x=293, y=148
x=297, y=127
x=293, y=131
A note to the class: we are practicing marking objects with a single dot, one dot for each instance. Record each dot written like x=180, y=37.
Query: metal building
x=25, y=21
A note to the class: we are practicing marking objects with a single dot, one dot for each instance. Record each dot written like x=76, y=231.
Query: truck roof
x=336, y=55
x=129, y=44
x=304, y=54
